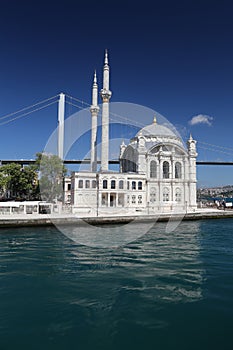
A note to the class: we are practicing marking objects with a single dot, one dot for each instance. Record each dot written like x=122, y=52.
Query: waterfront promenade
x=18, y=220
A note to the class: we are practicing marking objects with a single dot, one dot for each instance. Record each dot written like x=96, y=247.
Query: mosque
x=157, y=172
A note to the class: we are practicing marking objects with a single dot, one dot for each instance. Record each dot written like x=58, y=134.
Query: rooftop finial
x=106, y=57
x=95, y=78
x=155, y=120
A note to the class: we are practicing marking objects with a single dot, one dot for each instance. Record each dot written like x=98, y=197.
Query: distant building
x=157, y=172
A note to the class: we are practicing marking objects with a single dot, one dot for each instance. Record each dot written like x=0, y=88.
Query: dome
x=155, y=129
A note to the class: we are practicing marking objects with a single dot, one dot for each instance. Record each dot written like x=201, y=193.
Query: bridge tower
x=60, y=128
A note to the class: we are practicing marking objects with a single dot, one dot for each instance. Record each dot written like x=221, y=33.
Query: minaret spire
x=95, y=78
x=106, y=57
x=94, y=113
x=105, y=94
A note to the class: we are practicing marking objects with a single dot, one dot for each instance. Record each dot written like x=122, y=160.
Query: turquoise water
x=163, y=291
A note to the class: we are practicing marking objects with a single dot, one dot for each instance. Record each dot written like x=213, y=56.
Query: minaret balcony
x=105, y=95
x=94, y=109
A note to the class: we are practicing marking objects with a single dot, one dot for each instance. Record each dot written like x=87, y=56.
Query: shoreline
x=33, y=220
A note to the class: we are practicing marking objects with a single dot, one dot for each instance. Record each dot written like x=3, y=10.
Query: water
x=163, y=291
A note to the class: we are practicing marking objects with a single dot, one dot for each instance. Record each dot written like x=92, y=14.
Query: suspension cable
x=214, y=150
x=29, y=107
x=27, y=113
x=222, y=147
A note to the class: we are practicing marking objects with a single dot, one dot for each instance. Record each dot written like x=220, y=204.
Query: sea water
x=165, y=290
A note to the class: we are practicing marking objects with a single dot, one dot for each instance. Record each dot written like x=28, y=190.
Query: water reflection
x=157, y=268
x=77, y=290
x=105, y=236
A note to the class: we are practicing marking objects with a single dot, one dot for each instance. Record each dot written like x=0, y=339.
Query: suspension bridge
x=62, y=100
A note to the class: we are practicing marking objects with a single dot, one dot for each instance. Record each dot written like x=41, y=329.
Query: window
x=128, y=199
x=127, y=185
x=153, y=169
x=112, y=199
x=178, y=170
x=113, y=184
x=133, y=199
x=165, y=170
x=140, y=185
x=105, y=184
x=165, y=194
x=121, y=184
x=152, y=195
x=80, y=184
x=93, y=183
x=139, y=199
x=121, y=199
x=87, y=183
x=104, y=201
x=69, y=187
x=133, y=185
x=178, y=195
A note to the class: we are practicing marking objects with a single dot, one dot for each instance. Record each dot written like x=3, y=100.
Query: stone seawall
x=47, y=220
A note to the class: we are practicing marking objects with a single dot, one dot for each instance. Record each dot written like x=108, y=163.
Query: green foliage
x=43, y=180
x=51, y=175
x=17, y=182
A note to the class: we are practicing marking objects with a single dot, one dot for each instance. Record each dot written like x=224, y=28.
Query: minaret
x=105, y=94
x=94, y=113
x=192, y=153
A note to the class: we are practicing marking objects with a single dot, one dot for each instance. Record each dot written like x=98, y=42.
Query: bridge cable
x=29, y=107
x=27, y=113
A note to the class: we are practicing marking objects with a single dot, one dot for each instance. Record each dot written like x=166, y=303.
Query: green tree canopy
x=51, y=175
x=17, y=182
x=41, y=181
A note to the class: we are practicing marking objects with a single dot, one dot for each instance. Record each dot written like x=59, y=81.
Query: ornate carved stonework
x=105, y=95
x=94, y=109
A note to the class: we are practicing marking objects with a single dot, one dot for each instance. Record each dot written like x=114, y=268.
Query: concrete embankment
x=68, y=219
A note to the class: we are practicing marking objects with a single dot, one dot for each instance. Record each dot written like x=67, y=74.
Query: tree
x=43, y=180
x=3, y=184
x=17, y=182
x=51, y=176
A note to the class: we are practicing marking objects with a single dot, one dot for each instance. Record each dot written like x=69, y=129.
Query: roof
x=155, y=129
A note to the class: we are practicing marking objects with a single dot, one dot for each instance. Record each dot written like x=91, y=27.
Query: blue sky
x=174, y=57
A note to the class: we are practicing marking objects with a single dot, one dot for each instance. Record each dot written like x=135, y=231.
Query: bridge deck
x=87, y=161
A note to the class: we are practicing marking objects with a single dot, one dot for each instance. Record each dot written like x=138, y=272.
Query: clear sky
x=175, y=57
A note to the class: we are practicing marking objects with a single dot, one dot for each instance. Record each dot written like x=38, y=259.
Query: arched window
x=165, y=170
x=105, y=184
x=153, y=169
x=87, y=183
x=178, y=170
x=113, y=184
x=178, y=195
x=133, y=185
x=80, y=184
x=139, y=185
x=165, y=194
x=121, y=184
x=93, y=183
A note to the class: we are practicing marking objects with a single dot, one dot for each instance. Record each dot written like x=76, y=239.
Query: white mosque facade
x=157, y=172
